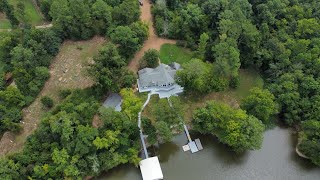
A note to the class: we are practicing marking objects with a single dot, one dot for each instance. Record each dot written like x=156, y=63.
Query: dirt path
x=66, y=72
x=153, y=42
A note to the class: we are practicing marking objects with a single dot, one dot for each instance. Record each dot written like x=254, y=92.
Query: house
x=161, y=78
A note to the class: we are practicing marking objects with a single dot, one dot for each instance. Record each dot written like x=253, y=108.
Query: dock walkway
x=140, y=128
x=194, y=146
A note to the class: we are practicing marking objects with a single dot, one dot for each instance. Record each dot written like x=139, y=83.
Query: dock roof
x=151, y=169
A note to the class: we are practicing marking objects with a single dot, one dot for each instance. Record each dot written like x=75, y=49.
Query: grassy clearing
x=67, y=71
x=34, y=17
x=248, y=79
x=173, y=53
x=4, y=22
x=1, y=67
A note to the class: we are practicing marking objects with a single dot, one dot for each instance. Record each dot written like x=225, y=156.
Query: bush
x=47, y=102
x=260, y=103
x=234, y=82
x=233, y=127
x=150, y=59
x=64, y=93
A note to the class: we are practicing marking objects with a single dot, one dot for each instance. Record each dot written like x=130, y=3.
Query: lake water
x=275, y=160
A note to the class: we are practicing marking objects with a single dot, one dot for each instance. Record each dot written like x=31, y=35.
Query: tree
x=227, y=60
x=202, y=46
x=150, y=59
x=9, y=169
x=308, y=28
x=127, y=40
x=12, y=102
x=108, y=70
x=164, y=131
x=131, y=104
x=102, y=16
x=163, y=112
x=261, y=104
x=309, y=140
x=167, y=114
x=195, y=76
x=73, y=17
x=231, y=126
x=126, y=13
x=150, y=130
x=47, y=102
x=141, y=30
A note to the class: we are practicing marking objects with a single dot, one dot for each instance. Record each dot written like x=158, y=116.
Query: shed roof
x=113, y=101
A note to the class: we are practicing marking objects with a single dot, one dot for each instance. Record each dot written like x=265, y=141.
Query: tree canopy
x=261, y=104
x=233, y=127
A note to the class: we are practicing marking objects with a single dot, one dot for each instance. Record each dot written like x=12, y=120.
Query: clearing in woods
x=249, y=78
x=32, y=12
x=67, y=71
x=4, y=22
x=172, y=53
x=153, y=42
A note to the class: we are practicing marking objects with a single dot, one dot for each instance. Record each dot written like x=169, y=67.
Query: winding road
x=153, y=42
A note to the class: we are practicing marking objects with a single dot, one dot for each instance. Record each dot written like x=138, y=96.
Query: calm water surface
x=275, y=160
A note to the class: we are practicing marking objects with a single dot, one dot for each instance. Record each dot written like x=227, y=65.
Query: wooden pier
x=194, y=146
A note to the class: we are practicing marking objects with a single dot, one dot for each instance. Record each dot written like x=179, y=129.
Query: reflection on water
x=275, y=160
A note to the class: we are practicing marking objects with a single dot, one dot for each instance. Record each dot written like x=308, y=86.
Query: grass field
x=34, y=17
x=173, y=53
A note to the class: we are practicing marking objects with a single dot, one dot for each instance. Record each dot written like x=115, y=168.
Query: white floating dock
x=193, y=147
x=150, y=169
x=186, y=148
x=198, y=143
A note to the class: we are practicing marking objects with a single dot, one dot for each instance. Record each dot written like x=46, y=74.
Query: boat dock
x=193, y=146
x=150, y=166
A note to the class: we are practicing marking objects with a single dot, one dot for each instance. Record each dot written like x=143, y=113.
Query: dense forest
x=65, y=145
x=280, y=38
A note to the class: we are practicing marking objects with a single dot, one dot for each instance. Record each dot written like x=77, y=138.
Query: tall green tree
x=261, y=104
x=231, y=126
x=202, y=46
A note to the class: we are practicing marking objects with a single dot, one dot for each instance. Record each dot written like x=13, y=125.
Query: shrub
x=64, y=93
x=234, y=82
x=47, y=102
x=150, y=59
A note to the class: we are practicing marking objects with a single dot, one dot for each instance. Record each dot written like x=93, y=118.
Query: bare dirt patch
x=66, y=72
x=2, y=16
x=153, y=42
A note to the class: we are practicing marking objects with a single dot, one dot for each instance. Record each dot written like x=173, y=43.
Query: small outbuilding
x=150, y=169
x=113, y=101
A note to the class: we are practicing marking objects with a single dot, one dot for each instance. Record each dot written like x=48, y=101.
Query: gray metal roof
x=113, y=101
x=163, y=74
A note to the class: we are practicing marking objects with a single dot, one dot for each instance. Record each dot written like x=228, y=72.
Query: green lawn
x=5, y=24
x=33, y=16
x=248, y=79
x=172, y=53
x=1, y=67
